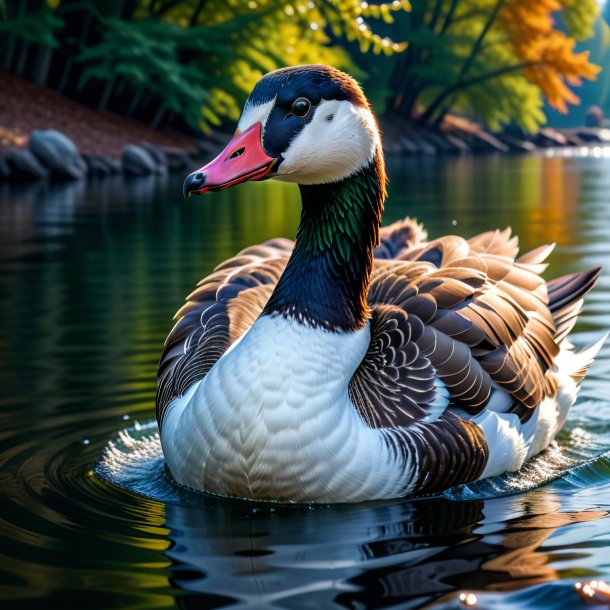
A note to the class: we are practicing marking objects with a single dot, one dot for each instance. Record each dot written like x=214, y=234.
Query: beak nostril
x=198, y=176
x=237, y=153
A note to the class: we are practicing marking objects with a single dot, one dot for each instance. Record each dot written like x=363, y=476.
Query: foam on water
x=134, y=461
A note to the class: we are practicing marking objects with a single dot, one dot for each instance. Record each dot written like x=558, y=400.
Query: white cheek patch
x=255, y=113
x=340, y=139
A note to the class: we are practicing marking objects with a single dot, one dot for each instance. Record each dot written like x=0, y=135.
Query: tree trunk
x=436, y=103
x=135, y=102
x=158, y=116
x=106, y=95
x=42, y=64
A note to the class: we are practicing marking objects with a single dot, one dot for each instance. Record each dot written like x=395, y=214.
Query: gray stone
x=137, y=161
x=57, y=153
x=23, y=164
x=548, y=138
x=517, y=144
x=460, y=144
x=158, y=156
x=96, y=165
x=5, y=172
x=441, y=142
x=483, y=142
x=594, y=135
x=177, y=159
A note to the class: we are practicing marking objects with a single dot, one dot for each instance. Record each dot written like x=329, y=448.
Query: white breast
x=273, y=420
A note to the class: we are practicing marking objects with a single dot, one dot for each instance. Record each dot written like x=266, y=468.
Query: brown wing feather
x=222, y=307
x=486, y=321
x=395, y=379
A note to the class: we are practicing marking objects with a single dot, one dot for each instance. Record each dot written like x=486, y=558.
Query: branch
x=467, y=64
x=460, y=86
x=449, y=16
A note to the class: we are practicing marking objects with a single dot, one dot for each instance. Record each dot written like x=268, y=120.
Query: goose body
x=358, y=363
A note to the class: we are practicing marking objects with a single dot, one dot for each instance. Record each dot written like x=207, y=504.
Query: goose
x=358, y=363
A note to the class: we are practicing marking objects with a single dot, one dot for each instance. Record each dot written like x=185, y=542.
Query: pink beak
x=243, y=159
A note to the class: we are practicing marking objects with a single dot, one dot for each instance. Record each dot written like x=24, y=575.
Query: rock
x=391, y=147
x=406, y=146
x=113, y=165
x=137, y=161
x=176, y=159
x=98, y=165
x=440, y=141
x=594, y=117
x=57, y=153
x=5, y=172
x=421, y=145
x=548, y=138
x=458, y=142
x=516, y=144
x=486, y=142
x=594, y=135
x=572, y=138
x=158, y=156
x=23, y=164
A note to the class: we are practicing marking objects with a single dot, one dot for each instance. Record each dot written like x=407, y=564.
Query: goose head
x=309, y=125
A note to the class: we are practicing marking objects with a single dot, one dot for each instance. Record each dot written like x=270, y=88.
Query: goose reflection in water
x=405, y=554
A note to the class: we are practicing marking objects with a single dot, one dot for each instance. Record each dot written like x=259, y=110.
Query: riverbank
x=41, y=130
x=457, y=135
x=46, y=135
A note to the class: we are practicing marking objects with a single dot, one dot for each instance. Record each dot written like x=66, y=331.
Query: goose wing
x=463, y=325
x=222, y=307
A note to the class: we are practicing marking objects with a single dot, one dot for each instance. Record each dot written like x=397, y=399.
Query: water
x=90, y=275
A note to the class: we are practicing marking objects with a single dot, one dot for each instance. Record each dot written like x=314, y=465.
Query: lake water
x=90, y=276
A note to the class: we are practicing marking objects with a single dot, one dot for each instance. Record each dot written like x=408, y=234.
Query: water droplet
x=454, y=222
x=86, y=441
x=126, y=417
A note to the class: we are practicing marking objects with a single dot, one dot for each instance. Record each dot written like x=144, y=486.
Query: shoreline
x=44, y=135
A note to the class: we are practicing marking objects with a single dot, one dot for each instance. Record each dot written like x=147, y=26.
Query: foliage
x=496, y=59
x=198, y=58
x=39, y=26
x=546, y=52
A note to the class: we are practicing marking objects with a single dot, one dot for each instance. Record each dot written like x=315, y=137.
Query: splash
x=134, y=461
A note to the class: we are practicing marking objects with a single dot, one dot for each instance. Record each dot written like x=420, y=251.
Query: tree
x=495, y=59
x=196, y=58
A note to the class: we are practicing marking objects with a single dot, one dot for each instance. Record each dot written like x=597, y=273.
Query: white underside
x=273, y=420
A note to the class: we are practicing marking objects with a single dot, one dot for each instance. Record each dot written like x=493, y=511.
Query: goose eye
x=301, y=107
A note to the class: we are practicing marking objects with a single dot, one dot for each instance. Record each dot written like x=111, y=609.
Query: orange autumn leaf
x=547, y=53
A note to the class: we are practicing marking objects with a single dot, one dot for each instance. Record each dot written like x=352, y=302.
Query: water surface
x=90, y=275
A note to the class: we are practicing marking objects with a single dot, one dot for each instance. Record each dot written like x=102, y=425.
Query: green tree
x=494, y=59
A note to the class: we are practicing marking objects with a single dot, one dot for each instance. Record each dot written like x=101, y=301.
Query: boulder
x=594, y=117
x=517, y=144
x=440, y=141
x=177, y=159
x=484, y=142
x=158, y=156
x=459, y=144
x=98, y=165
x=5, y=172
x=594, y=135
x=548, y=138
x=58, y=154
x=23, y=164
x=137, y=161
